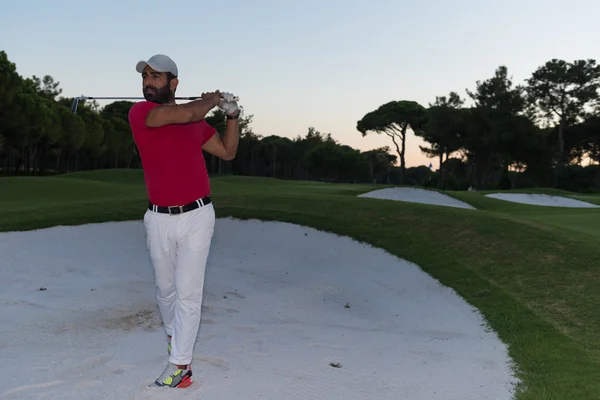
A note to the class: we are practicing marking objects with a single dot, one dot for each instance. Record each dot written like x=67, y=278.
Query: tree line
x=534, y=134
x=537, y=133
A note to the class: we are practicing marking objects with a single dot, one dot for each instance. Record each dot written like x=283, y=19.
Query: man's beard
x=161, y=96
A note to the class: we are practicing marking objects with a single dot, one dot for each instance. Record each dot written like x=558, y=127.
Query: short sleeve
x=207, y=131
x=138, y=113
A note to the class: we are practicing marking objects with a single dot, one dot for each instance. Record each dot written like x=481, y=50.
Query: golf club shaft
x=77, y=99
x=140, y=98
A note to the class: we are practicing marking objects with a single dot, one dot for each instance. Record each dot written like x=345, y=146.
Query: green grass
x=532, y=271
x=581, y=220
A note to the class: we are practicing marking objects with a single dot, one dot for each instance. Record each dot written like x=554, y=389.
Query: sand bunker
x=542, y=200
x=289, y=312
x=416, y=195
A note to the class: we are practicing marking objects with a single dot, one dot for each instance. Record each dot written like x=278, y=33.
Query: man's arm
x=225, y=147
x=182, y=113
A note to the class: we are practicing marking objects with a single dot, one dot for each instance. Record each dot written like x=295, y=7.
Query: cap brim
x=139, y=67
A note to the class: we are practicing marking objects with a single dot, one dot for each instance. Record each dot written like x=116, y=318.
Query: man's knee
x=190, y=286
x=165, y=283
x=190, y=301
x=191, y=289
x=165, y=292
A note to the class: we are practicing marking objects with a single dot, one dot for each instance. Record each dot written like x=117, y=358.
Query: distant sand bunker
x=542, y=200
x=414, y=195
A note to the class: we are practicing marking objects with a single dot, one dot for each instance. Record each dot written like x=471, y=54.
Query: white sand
x=542, y=200
x=416, y=195
x=273, y=321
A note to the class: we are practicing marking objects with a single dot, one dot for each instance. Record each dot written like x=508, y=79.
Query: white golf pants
x=179, y=246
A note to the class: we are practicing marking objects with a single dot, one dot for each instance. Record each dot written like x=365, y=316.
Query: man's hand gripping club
x=228, y=105
x=224, y=147
x=224, y=100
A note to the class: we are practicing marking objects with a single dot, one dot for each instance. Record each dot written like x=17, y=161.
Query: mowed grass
x=581, y=220
x=532, y=271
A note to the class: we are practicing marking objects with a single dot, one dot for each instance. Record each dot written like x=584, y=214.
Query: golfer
x=180, y=218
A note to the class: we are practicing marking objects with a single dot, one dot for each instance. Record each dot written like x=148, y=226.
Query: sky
x=298, y=64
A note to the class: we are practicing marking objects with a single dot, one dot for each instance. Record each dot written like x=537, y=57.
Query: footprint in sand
x=215, y=362
x=147, y=319
x=254, y=348
x=235, y=294
x=326, y=346
x=31, y=387
x=246, y=328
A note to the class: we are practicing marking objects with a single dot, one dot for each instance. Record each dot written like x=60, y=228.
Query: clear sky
x=297, y=64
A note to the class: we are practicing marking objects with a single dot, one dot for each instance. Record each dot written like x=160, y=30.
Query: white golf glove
x=227, y=104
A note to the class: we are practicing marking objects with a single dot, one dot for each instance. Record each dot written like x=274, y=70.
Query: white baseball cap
x=158, y=62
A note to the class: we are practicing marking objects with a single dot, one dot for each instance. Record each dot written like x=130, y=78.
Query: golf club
x=77, y=99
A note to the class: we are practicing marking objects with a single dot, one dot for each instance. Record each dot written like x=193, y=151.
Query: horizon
x=330, y=79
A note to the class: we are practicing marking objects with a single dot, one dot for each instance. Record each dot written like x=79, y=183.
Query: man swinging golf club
x=180, y=218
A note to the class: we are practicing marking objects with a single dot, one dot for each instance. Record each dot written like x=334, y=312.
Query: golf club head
x=74, y=105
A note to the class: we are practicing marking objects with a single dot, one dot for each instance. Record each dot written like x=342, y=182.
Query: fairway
x=345, y=214
x=531, y=271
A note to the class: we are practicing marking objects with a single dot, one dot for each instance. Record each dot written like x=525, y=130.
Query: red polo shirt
x=174, y=167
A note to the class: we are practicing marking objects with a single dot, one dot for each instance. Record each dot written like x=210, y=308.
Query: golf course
x=299, y=202
x=531, y=271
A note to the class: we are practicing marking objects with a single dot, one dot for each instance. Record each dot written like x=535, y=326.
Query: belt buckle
x=175, y=210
